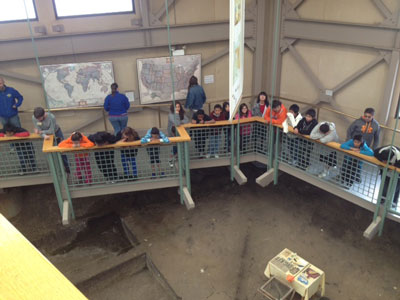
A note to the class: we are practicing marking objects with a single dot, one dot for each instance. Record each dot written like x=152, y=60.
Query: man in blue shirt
x=10, y=100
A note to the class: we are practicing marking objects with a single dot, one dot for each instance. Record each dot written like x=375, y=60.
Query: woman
x=177, y=118
x=117, y=106
x=245, y=129
x=195, y=96
x=261, y=105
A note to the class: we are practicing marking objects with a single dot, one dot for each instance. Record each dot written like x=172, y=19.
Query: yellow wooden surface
x=26, y=274
x=33, y=136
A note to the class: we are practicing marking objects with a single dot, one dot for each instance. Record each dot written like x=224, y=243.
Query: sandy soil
x=219, y=250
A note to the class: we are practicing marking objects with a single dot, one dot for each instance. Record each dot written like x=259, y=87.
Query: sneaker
x=153, y=175
x=208, y=156
x=323, y=174
x=216, y=156
x=162, y=174
x=171, y=163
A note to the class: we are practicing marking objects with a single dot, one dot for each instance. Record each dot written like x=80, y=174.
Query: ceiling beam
x=373, y=36
x=119, y=40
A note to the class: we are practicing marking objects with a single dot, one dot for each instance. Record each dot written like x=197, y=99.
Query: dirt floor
x=219, y=250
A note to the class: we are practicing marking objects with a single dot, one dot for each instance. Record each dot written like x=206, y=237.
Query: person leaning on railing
x=292, y=147
x=351, y=167
x=215, y=135
x=25, y=149
x=82, y=161
x=279, y=113
x=305, y=127
x=325, y=132
x=382, y=154
x=199, y=136
x=128, y=156
x=154, y=134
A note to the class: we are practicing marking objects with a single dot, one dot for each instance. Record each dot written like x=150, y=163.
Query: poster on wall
x=236, y=53
x=78, y=84
x=154, y=77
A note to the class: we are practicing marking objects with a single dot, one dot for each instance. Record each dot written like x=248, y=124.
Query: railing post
x=270, y=145
x=238, y=143
x=65, y=183
x=56, y=183
x=187, y=167
x=388, y=198
x=379, y=199
x=232, y=141
x=180, y=162
x=276, y=154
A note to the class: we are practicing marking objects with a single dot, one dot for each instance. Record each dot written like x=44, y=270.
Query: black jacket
x=382, y=154
x=304, y=127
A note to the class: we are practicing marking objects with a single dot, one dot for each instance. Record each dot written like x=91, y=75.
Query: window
x=79, y=8
x=14, y=10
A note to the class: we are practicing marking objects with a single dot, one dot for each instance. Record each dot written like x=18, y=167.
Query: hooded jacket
x=9, y=98
x=277, y=117
x=369, y=131
x=291, y=120
x=331, y=136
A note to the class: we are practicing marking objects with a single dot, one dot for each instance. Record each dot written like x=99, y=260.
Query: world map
x=78, y=84
x=155, y=82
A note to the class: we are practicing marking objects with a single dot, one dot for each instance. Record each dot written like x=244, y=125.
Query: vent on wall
x=58, y=28
x=40, y=29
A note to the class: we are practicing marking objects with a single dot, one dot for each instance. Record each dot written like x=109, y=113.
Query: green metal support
x=271, y=145
x=65, y=183
x=389, y=198
x=180, y=160
x=238, y=143
x=57, y=187
x=276, y=154
x=232, y=133
x=187, y=167
x=379, y=199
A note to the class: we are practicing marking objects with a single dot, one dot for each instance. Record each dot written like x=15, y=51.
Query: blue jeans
x=125, y=164
x=14, y=120
x=214, y=143
x=118, y=123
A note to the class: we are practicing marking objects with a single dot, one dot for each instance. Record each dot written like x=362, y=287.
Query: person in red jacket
x=77, y=140
x=279, y=113
x=25, y=150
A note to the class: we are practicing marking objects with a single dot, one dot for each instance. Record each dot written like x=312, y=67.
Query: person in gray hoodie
x=368, y=127
x=325, y=132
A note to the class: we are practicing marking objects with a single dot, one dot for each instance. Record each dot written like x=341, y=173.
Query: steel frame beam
x=119, y=40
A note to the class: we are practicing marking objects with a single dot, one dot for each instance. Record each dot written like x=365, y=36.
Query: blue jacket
x=147, y=137
x=116, y=105
x=8, y=99
x=363, y=150
x=195, y=97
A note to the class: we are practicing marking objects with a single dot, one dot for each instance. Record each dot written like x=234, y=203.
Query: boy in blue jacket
x=154, y=134
x=10, y=100
x=351, y=167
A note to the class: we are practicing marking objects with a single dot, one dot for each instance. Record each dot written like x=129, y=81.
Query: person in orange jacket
x=82, y=161
x=279, y=113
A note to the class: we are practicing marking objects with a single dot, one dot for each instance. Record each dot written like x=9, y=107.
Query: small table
x=308, y=279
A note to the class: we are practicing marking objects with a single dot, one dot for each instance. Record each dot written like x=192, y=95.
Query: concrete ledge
x=372, y=229
x=266, y=178
x=239, y=176
x=65, y=214
x=25, y=180
x=187, y=198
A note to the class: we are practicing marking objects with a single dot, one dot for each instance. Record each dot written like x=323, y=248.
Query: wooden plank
x=26, y=274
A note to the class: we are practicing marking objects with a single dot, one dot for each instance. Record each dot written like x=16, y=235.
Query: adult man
x=367, y=126
x=10, y=100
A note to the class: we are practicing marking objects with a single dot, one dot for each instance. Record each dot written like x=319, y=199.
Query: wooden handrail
x=32, y=136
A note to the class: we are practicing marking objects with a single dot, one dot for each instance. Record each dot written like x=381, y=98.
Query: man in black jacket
x=392, y=154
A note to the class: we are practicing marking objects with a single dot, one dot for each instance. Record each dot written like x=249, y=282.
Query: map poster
x=236, y=53
x=154, y=76
x=78, y=84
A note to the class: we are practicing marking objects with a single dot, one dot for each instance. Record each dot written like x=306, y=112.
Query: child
x=154, y=134
x=105, y=158
x=325, y=132
x=129, y=155
x=199, y=137
x=225, y=113
x=245, y=129
x=215, y=134
x=45, y=124
x=261, y=105
x=304, y=127
x=351, y=167
x=279, y=113
x=82, y=162
x=25, y=150
x=293, y=118
x=382, y=154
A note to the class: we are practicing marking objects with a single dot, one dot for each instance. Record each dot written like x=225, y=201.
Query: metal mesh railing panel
x=336, y=167
x=121, y=165
x=22, y=158
x=210, y=142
